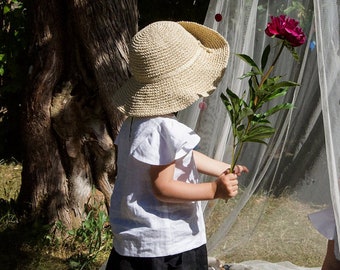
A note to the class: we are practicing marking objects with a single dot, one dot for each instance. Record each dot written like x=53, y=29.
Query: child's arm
x=169, y=190
x=209, y=166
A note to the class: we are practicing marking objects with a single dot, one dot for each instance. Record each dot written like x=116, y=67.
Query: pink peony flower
x=287, y=29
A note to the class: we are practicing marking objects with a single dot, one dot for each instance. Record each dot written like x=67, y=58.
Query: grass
x=269, y=229
x=35, y=248
x=10, y=175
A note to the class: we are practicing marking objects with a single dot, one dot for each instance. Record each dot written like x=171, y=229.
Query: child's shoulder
x=160, y=140
x=158, y=121
x=167, y=125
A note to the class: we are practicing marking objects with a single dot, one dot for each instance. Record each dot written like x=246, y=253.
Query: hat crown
x=173, y=64
x=161, y=49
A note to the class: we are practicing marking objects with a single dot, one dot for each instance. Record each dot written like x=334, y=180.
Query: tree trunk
x=79, y=59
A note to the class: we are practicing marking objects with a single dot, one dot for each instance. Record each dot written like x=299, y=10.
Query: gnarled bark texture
x=79, y=59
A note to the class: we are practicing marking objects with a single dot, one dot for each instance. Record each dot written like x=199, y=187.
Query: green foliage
x=40, y=246
x=249, y=121
x=86, y=242
x=92, y=237
x=12, y=36
x=13, y=70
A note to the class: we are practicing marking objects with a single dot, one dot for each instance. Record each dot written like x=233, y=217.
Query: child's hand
x=238, y=169
x=227, y=186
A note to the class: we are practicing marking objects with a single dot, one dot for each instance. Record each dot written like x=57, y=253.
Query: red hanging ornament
x=218, y=17
x=202, y=105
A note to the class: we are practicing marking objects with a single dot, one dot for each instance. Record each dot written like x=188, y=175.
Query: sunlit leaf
x=245, y=112
x=249, y=74
x=259, y=118
x=250, y=62
x=229, y=107
x=285, y=84
x=235, y=101
x=256, y=137
x=278, y=93
x=6, y=9
x=261, y=130
x=285, y=106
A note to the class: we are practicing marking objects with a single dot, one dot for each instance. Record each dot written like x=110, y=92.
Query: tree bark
x=79, y=59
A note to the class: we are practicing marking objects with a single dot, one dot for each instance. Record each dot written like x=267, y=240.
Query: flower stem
x=236, y=152
x=233, y=161
x=236, y=157
x=266, y=75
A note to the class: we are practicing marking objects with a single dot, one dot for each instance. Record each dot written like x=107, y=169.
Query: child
x=155, y=213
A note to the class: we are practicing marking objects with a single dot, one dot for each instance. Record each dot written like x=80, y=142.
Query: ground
x=269, y=229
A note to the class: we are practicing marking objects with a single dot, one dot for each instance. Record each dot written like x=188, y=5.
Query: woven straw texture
x=172, y=65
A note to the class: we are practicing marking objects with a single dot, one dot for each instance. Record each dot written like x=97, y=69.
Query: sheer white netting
x=297, y=173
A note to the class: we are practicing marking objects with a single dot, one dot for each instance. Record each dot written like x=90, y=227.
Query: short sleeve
x=162, y=141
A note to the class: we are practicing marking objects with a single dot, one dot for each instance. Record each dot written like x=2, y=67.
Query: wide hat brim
x=179, y=90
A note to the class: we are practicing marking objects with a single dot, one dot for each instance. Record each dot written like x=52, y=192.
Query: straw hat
x=173, y=64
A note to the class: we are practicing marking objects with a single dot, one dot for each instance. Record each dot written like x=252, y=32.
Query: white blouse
x=142, y=225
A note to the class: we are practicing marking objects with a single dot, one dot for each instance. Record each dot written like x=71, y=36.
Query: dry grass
x=10, y=175
x=270, y=229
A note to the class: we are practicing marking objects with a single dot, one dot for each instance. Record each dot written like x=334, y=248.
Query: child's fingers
x=231, y=184
x=240, y=168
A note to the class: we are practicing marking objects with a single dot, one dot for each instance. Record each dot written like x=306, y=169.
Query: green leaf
x=240, y=128
x=71, y=232
x=261, y=130
x=292, y=50
x=249, y=74
x=259, y=118
x=235, y=101
x=285, y=84
x=261, y=121
x=245, y=112
x=230, y=109
x=232, y=95
x=224, y=97
x=272, y=81
x=256, y=140
x=258, y=133
x=280, y=89
x=285, y=106
x=250, y=62
x=264, y=57
x=279, y=93
x=6, y=9
x=252, y=94
x=226, y=102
